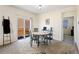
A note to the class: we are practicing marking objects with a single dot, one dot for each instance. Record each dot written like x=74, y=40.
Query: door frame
x=72, y=21
x=75, y=28
x=23, y=25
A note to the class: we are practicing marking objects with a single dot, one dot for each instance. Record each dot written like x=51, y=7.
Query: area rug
x=61, y=48
x=56, y=47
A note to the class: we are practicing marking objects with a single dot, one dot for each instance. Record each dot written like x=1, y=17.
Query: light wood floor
x=23, y=47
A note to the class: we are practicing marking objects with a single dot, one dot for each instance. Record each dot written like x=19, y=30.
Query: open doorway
x=27, y=27
x=20, y=28
x=68, y=29
x=24, y=27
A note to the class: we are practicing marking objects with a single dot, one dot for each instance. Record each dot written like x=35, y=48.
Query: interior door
x=27, y=27
x=20, y=27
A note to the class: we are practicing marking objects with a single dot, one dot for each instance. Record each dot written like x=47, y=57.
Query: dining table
x=40, y=35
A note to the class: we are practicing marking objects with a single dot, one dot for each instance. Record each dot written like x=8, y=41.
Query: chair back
x=33, y=37
x=35, y=29
x=44, y=28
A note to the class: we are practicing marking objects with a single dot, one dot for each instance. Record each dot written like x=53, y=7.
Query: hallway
x=69, y=39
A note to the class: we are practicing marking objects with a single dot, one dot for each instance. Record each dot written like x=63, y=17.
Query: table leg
x=38, y=41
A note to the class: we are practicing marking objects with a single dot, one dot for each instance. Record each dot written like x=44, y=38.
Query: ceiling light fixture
x=40, y=6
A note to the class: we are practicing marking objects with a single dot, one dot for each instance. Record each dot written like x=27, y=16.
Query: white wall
x=36, y=22
x=13, y=13
x=77, y=17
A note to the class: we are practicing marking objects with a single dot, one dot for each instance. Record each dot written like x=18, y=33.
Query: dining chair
x=34, y=38
x=35, y=29
x=44, y=28
x=48, y=37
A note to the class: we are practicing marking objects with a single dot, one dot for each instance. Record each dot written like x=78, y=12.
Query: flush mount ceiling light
x=40, y=6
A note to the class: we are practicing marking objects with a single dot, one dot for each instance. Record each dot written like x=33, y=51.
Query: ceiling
x=43, y=9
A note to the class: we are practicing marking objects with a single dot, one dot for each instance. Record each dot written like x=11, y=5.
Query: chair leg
x=47, y=41
x=38, y=43
x=31, y=43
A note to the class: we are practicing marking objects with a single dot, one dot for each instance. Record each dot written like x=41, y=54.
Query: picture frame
x=47, y=21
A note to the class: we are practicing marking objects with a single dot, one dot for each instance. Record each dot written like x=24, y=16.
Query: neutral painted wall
x=13, y=13
x=77, y=17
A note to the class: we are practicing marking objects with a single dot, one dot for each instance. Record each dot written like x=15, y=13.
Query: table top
x=40, y=33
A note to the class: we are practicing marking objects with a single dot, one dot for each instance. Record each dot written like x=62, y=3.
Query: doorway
x=24, y=27
x=20, y=28
x=27, y=27
x=68, y=29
